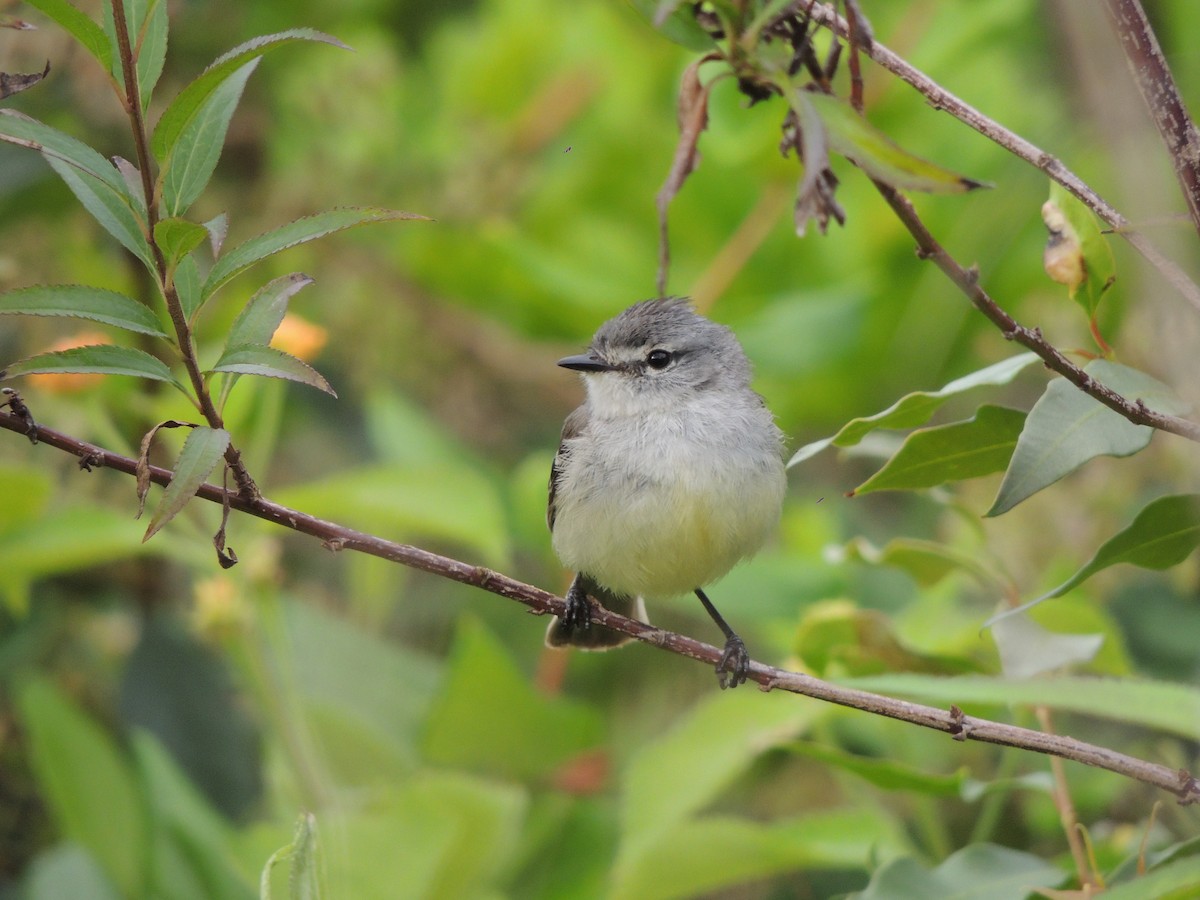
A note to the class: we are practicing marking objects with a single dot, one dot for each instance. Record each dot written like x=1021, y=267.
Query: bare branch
x=1161, y=95
x=968, y=282
x=942, y=99
x=954, y=722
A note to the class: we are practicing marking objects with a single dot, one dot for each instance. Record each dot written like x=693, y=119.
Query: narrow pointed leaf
x=132, y=177
x=272, y=363
x=185, y=106
x=100, y=359
x=18, y=128
x=256, y=323
x=152, y=50
x=187, y=286
x=176, y=238
x=916, y=409
x=1066, y=428
x=1163, y=534
x=189, y=167
x=873, y=151
x=81, y=301
x=299, y=232
x=80, y=26
x=955, y=452
x=201, y=452
x=110, y=208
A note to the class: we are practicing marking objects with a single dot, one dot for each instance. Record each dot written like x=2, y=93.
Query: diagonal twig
x=954, y=722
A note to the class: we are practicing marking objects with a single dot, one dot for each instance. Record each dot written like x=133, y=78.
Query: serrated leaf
x=81, y=301
x=187, y=286
x=194, y=157
x=201, y=452
x=1163, y=534
x=873, y=151
x=176, y=238
x=932, y=456
x=185, y=106
x=1066, y=428
x=1173, y=708
x=150, y=44
x=257, y=322
x=272, y=363
x=93, y=180
x=111, y=209
x=300, y=231
x=916, y=409
x=1099, y=265
x=100, y=359
x=80, y=26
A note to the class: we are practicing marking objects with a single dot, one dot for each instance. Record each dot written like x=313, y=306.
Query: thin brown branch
x=1179, y=783
x=1031, y=338
x=942, y=99
x=1161, y=96
x=179, y=320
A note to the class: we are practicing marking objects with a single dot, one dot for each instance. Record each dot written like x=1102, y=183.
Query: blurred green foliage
x=165, y=725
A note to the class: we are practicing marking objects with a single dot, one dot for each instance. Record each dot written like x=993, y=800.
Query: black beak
x=585, y=362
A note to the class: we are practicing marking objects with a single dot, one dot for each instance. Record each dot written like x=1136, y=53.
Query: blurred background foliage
x=164, y=724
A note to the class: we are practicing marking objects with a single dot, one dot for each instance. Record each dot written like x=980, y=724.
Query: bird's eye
x=658, y=359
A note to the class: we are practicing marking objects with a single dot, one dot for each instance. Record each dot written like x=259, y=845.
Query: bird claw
x=734, y=665
x=578, y=614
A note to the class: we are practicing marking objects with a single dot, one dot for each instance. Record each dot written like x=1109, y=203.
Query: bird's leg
x=578, y=614
x=735, y=661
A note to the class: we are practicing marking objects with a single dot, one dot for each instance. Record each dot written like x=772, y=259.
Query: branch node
x=92, y=458
x=922, y=253
x=1189, y=788
x=959, y=729
x=972, y=273
x=334, y=545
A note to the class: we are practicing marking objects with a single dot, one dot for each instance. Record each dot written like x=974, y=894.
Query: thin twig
x=942, y=99
x=968, y=282
x=1179, y=783
x=1161, y=96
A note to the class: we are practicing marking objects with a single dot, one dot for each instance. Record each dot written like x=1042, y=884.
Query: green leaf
x=1099, y=266
x=187, y=286
x=489, y=719
x=201, y=452
x=1163, y=534
x=82, y=28
x=95, y=182
x=873, y=151
x=980, y=871
x=81, y=302
x=884, y=773
x=185, y=106
x=1066, y=428
x=152, y=52
x=1173, y=708
x=1175, y=880
x=100, y=359
x=916, y=409
x=66, y=870
x=257, y=322
x=176, y=238
x=699, y=857
x=194, y=156
x=442, y=501
x=927, y=562
x=251, y=359
x=672, y=777
x=955, y=452
x=298, y=232
x=1027, y=649
x=86, y=782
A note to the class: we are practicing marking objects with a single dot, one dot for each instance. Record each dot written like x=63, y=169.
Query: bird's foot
x=578, y=614
x=734, y=665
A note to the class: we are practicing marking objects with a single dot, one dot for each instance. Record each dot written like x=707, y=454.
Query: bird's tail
x=597, y=637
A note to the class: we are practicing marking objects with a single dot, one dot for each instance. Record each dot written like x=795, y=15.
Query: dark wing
x=574, y=424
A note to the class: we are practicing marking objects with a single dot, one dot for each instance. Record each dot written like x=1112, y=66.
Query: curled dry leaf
x=1063, y=256
x=15, y=82
x=143, y=460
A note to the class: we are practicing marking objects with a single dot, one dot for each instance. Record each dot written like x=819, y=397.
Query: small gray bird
x=668, y=474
